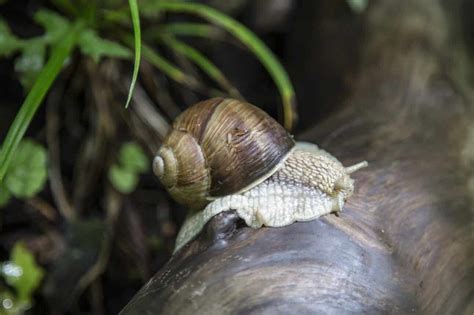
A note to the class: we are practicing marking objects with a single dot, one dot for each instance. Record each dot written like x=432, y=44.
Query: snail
x=224, y=154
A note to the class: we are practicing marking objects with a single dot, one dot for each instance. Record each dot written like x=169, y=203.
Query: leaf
x=137, y=34
x=22, y=272
x=5, y=195
x=35, y=96
x=249, y=39
x=122, y=179
x=9, y=43
x=132, y=157
x=28, y=171
x=96, y=47
x=54, y=24
x=30, y=63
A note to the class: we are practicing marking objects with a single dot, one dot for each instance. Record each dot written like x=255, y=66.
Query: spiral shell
x=220, y=147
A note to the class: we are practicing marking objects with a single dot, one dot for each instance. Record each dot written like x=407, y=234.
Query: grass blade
x=17, y=130
x=175, y=73
x=192, y=29
x=203, y=62
x=165, y=66
x=137, y=34
x=249, y=39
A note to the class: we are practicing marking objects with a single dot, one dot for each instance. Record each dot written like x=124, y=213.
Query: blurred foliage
x=251, y=41
x=96, y=47
x=42, y=84
x=32, y=52
x=131, y=162
x=24, y=276
x=132, y=157
x=26, y=174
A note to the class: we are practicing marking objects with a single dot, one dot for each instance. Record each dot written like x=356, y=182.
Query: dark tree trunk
x=404, y=242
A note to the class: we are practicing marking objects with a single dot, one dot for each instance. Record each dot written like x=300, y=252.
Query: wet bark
x=404, y=242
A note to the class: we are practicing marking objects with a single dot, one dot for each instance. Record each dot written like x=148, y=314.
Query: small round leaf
x=124, y=180
x=27, y=172
x=132, y=157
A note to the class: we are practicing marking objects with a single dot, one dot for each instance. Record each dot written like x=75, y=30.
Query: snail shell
x=219, y=147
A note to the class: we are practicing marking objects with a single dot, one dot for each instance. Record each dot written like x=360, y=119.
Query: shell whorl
x=219, y=147
x=181, y=167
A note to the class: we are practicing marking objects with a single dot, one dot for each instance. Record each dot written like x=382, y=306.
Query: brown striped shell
x=220, y=147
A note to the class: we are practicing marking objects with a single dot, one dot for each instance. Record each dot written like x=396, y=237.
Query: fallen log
x=404, y=242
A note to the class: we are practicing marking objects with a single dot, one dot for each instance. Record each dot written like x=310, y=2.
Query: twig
x=54, y=173
x=154, y=86
x=97, y=297
x=146, y=123
x=93, y=156
x=113, y=205
x=43, y=207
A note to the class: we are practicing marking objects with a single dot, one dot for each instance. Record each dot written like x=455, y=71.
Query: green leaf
x=30, y=63
x=124, y=180
x=96, y=47
x=28, y=171
x=9, y=43
x=137, y=34
x=249, y=39
x=35, y=96
x=54, y=24
x=5, y=195
x=132, y=157
x=22, y=272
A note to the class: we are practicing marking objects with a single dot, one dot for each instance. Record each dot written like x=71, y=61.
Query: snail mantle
x=225, y=154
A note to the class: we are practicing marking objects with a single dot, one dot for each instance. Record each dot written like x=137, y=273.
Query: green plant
x=61, y=37
x=23, y=276
x=26, y=174
x=80, y=27
x=131, y=162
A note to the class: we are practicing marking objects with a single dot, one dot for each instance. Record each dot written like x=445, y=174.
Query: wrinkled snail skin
x=225, y=154
x=309, y=185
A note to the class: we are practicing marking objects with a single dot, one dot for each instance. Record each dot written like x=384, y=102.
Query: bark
x=404, y=242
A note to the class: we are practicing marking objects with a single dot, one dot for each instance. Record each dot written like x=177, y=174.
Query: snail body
x=226, y=154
